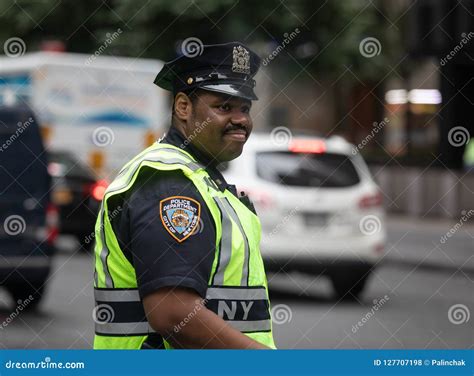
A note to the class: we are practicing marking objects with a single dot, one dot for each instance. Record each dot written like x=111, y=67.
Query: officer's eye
x=246, y=109
x=224, y=107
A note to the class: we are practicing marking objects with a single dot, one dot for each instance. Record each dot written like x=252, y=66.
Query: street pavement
x=420, y=296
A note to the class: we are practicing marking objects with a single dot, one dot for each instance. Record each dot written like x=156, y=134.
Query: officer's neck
x=176, y=137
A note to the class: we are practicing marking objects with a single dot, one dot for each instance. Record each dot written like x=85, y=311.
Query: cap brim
x=233, y=90
x=164, y=78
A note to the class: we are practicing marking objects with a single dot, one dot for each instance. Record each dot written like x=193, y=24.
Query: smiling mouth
x=237, y=134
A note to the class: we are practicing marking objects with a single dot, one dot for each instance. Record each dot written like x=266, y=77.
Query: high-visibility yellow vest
x=237, y=287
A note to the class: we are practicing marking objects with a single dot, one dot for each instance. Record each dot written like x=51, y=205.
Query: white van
x=103, y=109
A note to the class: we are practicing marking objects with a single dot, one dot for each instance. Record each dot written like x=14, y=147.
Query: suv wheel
x=349, y=285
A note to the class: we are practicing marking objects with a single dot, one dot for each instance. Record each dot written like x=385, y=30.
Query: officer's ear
x=183, y=106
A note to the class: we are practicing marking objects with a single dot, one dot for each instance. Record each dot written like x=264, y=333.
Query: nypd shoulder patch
x=180, y=216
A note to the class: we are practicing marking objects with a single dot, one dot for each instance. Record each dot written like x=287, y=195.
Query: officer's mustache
x=236, y=127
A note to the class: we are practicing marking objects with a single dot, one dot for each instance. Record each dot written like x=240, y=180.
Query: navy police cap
x=224, y=68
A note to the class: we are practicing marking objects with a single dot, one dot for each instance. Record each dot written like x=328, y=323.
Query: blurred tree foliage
x=327, y=43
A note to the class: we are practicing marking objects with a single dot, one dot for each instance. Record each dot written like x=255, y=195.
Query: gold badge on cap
x=241, y=60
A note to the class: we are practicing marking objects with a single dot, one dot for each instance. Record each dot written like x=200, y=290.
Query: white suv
x=320, y=209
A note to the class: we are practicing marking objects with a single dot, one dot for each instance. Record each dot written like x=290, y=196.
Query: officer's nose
x=240, y=118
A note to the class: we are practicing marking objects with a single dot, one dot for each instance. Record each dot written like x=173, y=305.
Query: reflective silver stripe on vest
x=104, y=253
x=225, y=251
x=103, y=310
x=177, y=151
x=251, y=326
x=192, y=165
x=210, y=183
x=236, y=294
x=123, y=328
x=116, y=295
x=235, y=217
x=143, y=328
x=213, y=292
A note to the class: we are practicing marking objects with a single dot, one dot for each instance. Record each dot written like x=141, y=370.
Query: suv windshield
x=307, y=170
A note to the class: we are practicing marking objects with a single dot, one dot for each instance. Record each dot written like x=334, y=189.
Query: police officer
x=177, y=259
